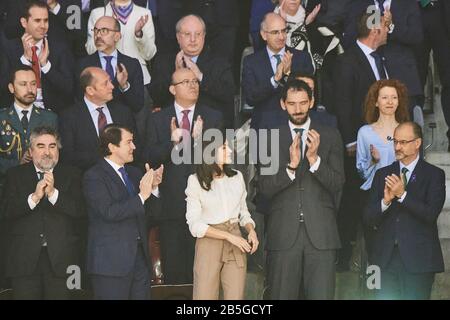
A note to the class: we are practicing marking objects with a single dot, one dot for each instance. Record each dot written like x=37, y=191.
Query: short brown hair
x=112, y=133
x=372, y=113
x=31, y=4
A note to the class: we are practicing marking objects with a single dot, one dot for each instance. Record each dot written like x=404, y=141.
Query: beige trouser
x=219, y=262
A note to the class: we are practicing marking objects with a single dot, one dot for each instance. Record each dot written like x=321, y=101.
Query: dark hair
x=19, y=67
x=372, y=113
x=42, y=130
x=417, y=129
x=112, y=133
x=86, y=79
x=31, y=4
x=205, y=172
x=296, y=85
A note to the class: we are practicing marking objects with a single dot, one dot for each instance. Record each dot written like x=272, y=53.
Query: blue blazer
x=413, y=222
x=116, y=220
x=257, y=88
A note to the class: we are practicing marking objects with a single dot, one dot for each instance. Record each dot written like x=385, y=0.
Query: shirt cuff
x=25, y=61
x=384, y=207
x=45, y=69
x=315, y=166
x=290, y=174
x=402, y=197
x=273, y=82
x=31, y=203
x=351, y=144
x=126, y=88
x=156, y=192
x=54, y=197
x=56, y=9
x=142, y=199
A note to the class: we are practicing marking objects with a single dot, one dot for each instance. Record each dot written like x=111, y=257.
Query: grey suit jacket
x=316, y=194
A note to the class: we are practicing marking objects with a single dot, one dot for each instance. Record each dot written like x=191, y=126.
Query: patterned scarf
x=122, y=13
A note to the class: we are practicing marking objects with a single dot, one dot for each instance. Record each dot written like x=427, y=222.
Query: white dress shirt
x=19, y=110
x=94, y=113
x=226, y=201
x=116, y=168
x=410, y=168
x=304, y=126
x=179, y=112
x=273, y=63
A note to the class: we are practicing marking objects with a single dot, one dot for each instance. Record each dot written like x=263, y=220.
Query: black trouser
x=399, y=284
x=177, y=252
x=42, y=284
x=436, y=39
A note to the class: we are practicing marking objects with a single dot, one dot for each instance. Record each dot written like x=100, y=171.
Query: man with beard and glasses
x=17, y=121
x=41, y=203
x=301, y=230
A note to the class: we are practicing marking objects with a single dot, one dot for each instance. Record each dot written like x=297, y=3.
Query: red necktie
x=35, y=66
x=101, y=120
x=186, y=125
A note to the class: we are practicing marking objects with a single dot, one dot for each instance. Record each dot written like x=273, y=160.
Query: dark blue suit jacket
x=116, y=220
x=158, y=150
x=79, y=136
x=408, y=33
x=134, y=96
x=257, y=88
x=413, y=222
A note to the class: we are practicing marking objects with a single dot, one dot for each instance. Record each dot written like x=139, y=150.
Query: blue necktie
x=380, y=65
x=109, y=68
x=128, y=183
x=381, y=6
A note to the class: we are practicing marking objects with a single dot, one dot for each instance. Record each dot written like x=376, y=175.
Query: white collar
x=367, y=50
x=304, y=126
x=271, y=53
x=113, y=54
x=92, y=106
x=114, y=165
x=410, y=166
x=39, y=170
x=179, y=109
x=19, y=109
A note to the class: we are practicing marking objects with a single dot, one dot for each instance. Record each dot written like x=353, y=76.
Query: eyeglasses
x=103, y=31
x=190, y=34
x=403, y=142
x=277, y=32
x=187, y=82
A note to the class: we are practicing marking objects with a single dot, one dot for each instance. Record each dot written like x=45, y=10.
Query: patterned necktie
x=278, y=57
x=186, y=125
x=101, y=120
x=300, y=130
x=381, y=6
x=24, y=120
x=40, y=175
x=35, y=66
x=109, y=68
x=404, y=179
x=380, y=65
x=128, y=183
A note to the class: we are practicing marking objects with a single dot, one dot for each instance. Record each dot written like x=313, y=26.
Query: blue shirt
x=366, y=168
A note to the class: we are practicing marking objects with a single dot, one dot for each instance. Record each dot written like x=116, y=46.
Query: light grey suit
x=304, y=250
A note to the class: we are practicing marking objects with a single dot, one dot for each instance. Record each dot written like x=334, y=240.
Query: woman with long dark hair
x=216, y=208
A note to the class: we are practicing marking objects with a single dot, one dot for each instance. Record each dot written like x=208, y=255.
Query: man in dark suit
x=436, y=23
x=405, y=202
x=405, y=33
x=17, y=121
x=51, y=59
x=42, y=200
x=355, y=71
x=164, y=133
x=124, y=71
x=118, y=199
x=81, y=124
x=213, y=72
x=301, y=230
x=265, y=70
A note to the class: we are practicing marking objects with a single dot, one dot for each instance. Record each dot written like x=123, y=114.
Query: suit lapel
x=14, y=120
x=415, y=177
x=113, y=174
x=90, y=127
x=98, y=62
x=34, y=119
x=266, y=65
x=364, y=63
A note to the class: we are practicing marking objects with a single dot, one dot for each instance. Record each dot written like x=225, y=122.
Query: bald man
x=177, y=244
x=405, y=202
x=266, y=69
x=81, y=124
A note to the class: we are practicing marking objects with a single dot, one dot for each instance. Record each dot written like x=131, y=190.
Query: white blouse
x=225, y=201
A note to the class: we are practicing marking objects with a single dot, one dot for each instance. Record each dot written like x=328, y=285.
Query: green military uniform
x=14, y=139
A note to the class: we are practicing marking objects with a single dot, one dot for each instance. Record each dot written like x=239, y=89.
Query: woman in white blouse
x=216, y=207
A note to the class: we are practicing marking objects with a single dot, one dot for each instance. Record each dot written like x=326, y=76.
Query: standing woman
x=216, y=208
x=386, y=106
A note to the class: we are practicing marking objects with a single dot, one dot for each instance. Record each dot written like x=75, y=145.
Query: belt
x=230, y=252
